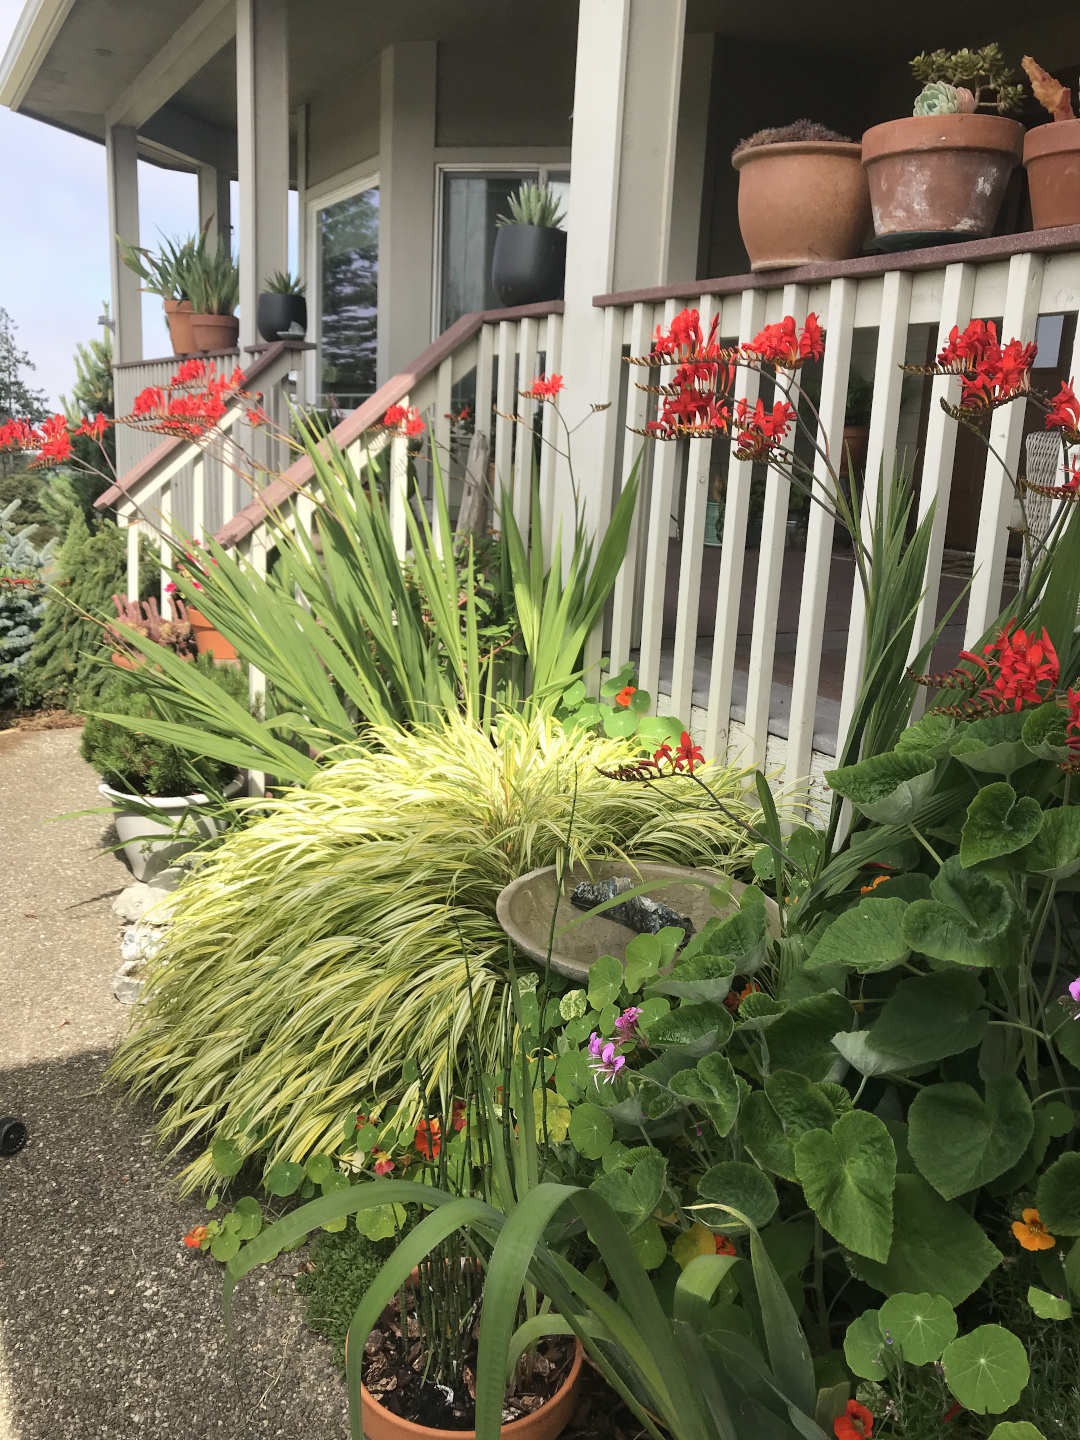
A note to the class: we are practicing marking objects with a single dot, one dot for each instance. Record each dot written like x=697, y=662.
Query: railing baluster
x=637, y=412
x=198, y=496
x=1006, y=435
x=444, y=392
x=693, y=541
x=733, y=552
x=523, y=461
x=399, y=480
x=166, y=553
x=597, y=505
x=134, y=529
x=504, y=405
x=817, y=558
x=769, y=579
x=880, y=460
x=484, y=359
x=549, y=431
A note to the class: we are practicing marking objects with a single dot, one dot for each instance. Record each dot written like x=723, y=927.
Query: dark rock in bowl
x=640, y=913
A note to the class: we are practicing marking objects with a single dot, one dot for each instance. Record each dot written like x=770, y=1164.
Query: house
x=403, y=127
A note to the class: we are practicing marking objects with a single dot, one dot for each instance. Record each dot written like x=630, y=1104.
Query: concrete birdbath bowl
x=524, y=910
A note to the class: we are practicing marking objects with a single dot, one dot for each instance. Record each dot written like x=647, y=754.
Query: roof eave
x=35, y=30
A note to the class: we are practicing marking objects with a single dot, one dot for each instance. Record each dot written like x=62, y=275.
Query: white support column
x=626, y=108
x=166, y=507
x=406, y=203
x=215, y=205
x=121, y=167
x=134, y=527
x=262, y=138
x=399, y=500
x=198, y=497
x=257, y=558
x=697, y=69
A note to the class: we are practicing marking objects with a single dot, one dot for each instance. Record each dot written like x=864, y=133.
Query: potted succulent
x=529, y=262
x=212, y=279
x=803, y=196
x=159, y=816
x=939, y=175
x=1052, y=154
x=282, y=312
x=163, y=274
x=177, y=635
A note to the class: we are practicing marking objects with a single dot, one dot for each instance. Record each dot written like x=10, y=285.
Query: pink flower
x=605, y=1064
x=170, y=588
x=1074, y=990
x=626, y=1025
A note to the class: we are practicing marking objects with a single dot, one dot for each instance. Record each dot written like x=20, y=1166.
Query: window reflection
x=348, y=234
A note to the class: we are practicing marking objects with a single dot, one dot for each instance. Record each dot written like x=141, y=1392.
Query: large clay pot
x=178, y=319
x=209, y=641
x=802, y=203
x=529, y=264
x=1052, y=161
x=855, y=440
x=278, y=313
x=939, y=178
x=215, y=332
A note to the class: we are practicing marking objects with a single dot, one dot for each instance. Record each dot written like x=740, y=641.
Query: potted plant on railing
x=177, y=635
x=282, y=312
x=163, y=273
x=1052, y=154
x=803, y=196
x=939, y=175
x=529, y=262
x=212, y=279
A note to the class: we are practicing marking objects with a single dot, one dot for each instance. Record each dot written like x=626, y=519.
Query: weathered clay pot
x=1052, y=161
x=178, y=319
x=938, y=178
x=855, y=440
x=215, y=332
x=209, y=641
x=802, y=203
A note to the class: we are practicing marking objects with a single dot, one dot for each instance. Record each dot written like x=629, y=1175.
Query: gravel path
x=109, y=1327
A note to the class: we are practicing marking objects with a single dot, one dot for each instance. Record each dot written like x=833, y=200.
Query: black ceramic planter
x=529, y=264
x=276, y=313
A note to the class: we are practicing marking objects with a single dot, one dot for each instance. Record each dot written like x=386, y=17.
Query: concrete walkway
x=109, y=1327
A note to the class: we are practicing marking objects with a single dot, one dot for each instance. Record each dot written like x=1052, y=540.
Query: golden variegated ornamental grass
x=329, y=941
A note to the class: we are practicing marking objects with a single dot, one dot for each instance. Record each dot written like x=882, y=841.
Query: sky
x=54, y=261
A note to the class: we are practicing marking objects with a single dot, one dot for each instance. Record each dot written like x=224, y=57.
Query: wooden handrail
x=995, y=247
x=372, y=411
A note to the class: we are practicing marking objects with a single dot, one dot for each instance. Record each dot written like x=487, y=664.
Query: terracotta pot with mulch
x=935, y=179
x=178, y=319
x=1052, y=161
x=802, y=202
x=209, y=641
x=215, y=332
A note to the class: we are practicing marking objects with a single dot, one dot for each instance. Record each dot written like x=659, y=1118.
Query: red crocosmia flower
x=414, y=425
x=687, y=754
x=759, y=431
x=1064, y=414
x=194, y=1238
x=683, y=338
x=784, y=345
x=856, y=1423
x=149, y=401
x=95, y=428
x=395, y=415
x=1070, y=490
x=459, y=1114
x=383, y=1163
x=811, y=340
x=972, y=344
x=428, y=1140
x=623, y=697
x=664, y=753
x=1022, y=662
x=544, y=387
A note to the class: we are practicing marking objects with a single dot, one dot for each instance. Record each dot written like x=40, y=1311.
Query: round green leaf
x=610, y=688
x=224, y=1246
x=649, y=1245
x=590, y=1130
x=967, y=922
x=317, y=1167
x=620, y=724
x=1044, y=732
x=994, y=746
x=1055, y=851
x=1059, y=1118
x=960, y=1141
x=250, y=1213
x=605, y=981
x=586, y=715
x=284, y=1177
x=573, y=697
x=380, y=1222
x=643, y=957
x=998, y=824
x=863, y=1346
x=922, y=1325
x=868, y=937
x=743, y=1187
x=1058, y=1197
x=640, y=701
x=848, y=1176
x=1047, y=1306
x=1016, y=1430
x=986, y=1370
x=226, y=1158
x=214, y=1200
x=656, y=729
x=573, y=1005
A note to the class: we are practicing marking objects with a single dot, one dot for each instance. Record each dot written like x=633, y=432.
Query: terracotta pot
x=1052, y=161
x=215, y=332
x=209, y=641
x=855, y=440
x=178, y=319
x=544, y=1424
x=802, y=203
x=938, y=178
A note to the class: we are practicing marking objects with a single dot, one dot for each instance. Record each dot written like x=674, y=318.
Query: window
x=347, y=241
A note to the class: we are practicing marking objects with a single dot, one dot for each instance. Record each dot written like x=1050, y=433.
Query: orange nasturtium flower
x=623, y=697
x=869, y=889
x=194, y=1238
x=724, y=1246
x=1032, y=1233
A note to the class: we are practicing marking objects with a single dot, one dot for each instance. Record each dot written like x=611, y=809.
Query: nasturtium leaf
x=799, y=1103
x=932, y=735
x=226, y=1158
x=868, y=937
x=380, y=1222
x=932, y=1016
x=284, y=1177
x=590, y=1130
x=367, y=1138
x=573, y=1004
x=922, y=1325
x=698, y=1240
x=586, y=715
x=619, y=724
x=1060, y=1118
x=763, y=1135
x=572, y=1074
x=643, y=957
x=213, y=1200
x=649, y=1245
x=619, y=681
x=1055, y=851
x=1058, y=1195
x=998, y=823
x=250, y=1212
x=581, y=1027
x=655, y=729
x=707, y=1022
x=701, y=977
x=969, y=920
x=317, y=1167
x=713, y=1086
x=1044, y=732
x=847, y=1177
x=1016, y=1430
x=640, y=701
x=572, y=697
x=223, y=1247
x=960, y=1141
x=889, y=788
x=986, y=1370
x=652, y=1010
x=936, y=1246
x=743, y=1187
x=605, y=981
x=864, y=1346
x=1047, y=1306
x=410, y=1070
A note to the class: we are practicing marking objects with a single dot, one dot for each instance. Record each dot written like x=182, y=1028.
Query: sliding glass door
x=346, y=235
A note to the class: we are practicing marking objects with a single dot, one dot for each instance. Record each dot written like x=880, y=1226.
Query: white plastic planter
x=136, y=829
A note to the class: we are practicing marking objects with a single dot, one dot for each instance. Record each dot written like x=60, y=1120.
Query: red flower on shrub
x=785, y=345
x=544, y=387
x=760, y=431
x=383, y=1163
x=1023, y=663
x=94, y=428
x=1064, y=414
x=856, y=1423
x=428, y=1141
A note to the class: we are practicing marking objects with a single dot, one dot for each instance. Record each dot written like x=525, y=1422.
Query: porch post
x=123, y=206
x=262, y=137
x=215, y=204
x=406, y=203
x=626, y=113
